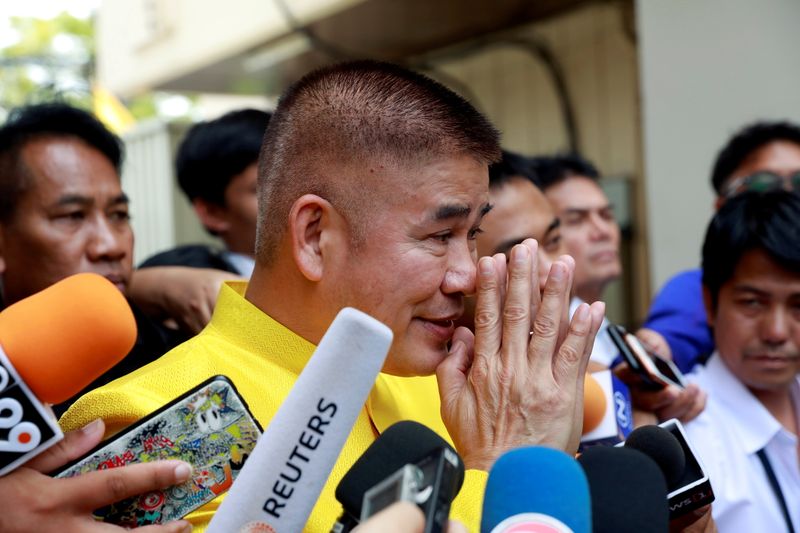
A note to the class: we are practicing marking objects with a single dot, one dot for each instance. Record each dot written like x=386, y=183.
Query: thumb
x=451, y=374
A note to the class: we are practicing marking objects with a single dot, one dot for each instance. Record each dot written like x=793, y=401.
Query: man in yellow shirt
x=372, y=187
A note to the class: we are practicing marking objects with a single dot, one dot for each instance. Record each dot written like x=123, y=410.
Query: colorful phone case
x=209, y=427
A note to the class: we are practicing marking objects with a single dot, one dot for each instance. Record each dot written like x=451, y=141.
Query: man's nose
x=461, y=271
x=775, y=326
x=600, y=227
x=107, y=242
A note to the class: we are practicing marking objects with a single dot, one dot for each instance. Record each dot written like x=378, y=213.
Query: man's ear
x=213, y=217
x=711, y=312
x=313, y=223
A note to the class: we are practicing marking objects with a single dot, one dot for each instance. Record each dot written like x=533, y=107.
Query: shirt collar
x=753, y=423
x=247, y=327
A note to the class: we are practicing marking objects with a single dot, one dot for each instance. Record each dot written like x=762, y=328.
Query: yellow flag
x=111, y=111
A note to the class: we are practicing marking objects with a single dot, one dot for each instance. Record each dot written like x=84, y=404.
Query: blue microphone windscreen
x=537, y=480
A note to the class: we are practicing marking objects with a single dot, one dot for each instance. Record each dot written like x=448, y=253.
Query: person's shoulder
x=686, y=280
x=191, y=255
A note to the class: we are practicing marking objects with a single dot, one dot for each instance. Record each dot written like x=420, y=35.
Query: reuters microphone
x=536, y=489
x=281, y=481
x=52, y=345
x=608, y=415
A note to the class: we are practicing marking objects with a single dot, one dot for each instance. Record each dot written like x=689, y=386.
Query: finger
x=104, y=487
x=570, y=262
x=501, y=268
x=697, y=407
x=547, y=322
x=536, y=297
x=517, y=308
x=567, y=364
x=181, y=526
x=680, y=405
x=454, y=526
x=451, y=374
x=74, y=445
x=598, y=312
x=401, y=516
x=488, y=327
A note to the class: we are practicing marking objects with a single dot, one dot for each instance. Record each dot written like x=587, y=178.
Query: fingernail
x=486, y=266
x=182, y=472
x=186, y=527
x=582, y=312
x=92, y=427
x=519, y=254
x=456, y=347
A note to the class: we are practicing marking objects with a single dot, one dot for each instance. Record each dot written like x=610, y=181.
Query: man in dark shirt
x=62, y=212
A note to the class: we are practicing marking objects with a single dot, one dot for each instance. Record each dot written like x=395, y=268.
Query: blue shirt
x=678, y=313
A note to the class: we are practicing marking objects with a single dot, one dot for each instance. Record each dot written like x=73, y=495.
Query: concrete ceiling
x=393, y=30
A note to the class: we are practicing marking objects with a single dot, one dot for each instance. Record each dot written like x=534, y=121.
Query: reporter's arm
x=186, y=295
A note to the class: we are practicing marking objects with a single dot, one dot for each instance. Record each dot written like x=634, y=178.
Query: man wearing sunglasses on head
x=760, y=157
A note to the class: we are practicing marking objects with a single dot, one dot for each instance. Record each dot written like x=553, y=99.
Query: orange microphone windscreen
x=594, y=404
x=64, y=337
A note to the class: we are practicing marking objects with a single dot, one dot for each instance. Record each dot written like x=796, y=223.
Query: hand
x=185, y=295
x=33, y=501
x=698, y=521
x=505, y=387
x=402, y=517
x=654, y=342
x=669, y=402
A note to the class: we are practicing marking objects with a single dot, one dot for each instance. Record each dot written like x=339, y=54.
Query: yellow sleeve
x=469, y=502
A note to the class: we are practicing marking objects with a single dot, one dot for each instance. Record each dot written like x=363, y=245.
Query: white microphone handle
x=283, y=477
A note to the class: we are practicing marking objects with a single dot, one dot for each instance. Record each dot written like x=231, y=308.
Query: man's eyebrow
x=449, y=211
x=121, y=199
x=749, y=288
x=68, y=199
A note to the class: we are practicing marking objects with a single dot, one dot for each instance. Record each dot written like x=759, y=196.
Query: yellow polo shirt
x=263, y=359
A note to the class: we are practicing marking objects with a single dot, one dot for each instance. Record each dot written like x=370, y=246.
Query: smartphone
x=209, y=427
x=656, y=372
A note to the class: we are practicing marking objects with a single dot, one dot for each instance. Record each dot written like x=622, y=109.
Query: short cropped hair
x=335, y=122
x=511, y=166
x=766, y=221
x=56, y=119
x=552, y=170
x=213, y=152
x=745, y=142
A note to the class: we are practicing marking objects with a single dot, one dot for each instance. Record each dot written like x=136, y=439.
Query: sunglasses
x=762, y=181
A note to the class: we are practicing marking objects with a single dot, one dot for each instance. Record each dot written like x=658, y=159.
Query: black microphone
x=628, y=491
x=381, y=474
x=688, y=484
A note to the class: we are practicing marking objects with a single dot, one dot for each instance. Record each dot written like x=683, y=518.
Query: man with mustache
x=63, y=212
x=747, y=438
x=761, y=156
x=372, y=187
x=591, y=235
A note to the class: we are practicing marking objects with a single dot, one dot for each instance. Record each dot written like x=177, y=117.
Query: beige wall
x=708, y=67
x=600, y=68
x=142, y=43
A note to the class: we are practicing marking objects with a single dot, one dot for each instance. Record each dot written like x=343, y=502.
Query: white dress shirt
x=604, y=350
x=243, y=263
x=727, y=436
